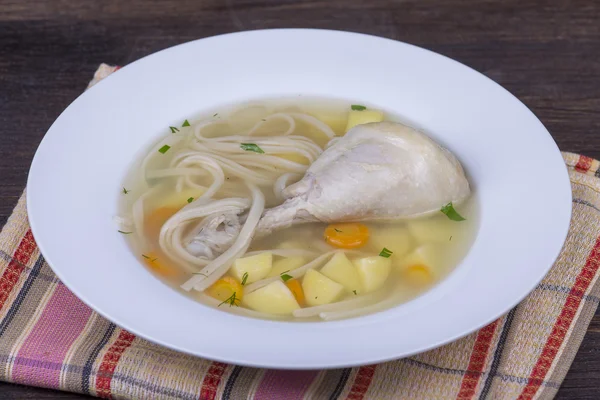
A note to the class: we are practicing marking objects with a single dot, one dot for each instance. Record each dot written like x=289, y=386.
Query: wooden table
x=546, y=52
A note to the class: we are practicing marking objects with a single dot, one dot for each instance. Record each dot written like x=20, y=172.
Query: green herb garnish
x=354, y=291
x=450, y=238
x=252, y=147
x=185, y=123
x=385, y=253
x=215, y=114
x=125, y=191
x=358, y=107
x=286, y=277
x=173, y=129
x=451, y=213
x=149, y=258
x=244, y=278
x=190, y=199
x=199, y=273
x=336, y=229
x=124, y=233
x=164, y=149
x=232, y=301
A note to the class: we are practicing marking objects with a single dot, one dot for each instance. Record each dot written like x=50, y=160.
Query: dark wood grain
x=545, y=52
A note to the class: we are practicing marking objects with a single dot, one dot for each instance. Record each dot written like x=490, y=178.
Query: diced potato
x=430, y=255
x=335, y=119
x=397, y=239
x=319, y=289
x=286, y=264
x=436, y=229
x=373, y=272
x=363, y=117
x=257, y=267
x=180, y=199
x=341, y=270
x=274, y=298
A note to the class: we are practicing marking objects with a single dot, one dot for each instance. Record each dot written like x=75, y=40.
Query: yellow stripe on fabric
x=146, y=370
x=72, y=353
x=15, y=227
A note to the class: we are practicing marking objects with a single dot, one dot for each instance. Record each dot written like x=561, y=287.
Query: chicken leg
x=376, y=172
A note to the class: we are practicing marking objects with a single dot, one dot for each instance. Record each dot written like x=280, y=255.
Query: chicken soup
x=298, y=209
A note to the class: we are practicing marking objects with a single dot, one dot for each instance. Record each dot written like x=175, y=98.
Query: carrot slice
x=156, y=219
x=418, y=275
x=347, y=236
x=156, y=264
x=224, y=288
x=296, y=289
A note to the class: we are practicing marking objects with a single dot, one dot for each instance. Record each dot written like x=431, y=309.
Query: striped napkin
x=49, y=338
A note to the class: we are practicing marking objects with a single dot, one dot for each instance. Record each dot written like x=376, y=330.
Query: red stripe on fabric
x=289, y=385
x=479, y=354
x=211, y=381
x=584, y=164
x=562, y=324
x=109, y=363
x=12, y=273
x=361, y=383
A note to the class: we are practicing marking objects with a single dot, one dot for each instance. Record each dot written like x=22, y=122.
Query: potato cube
x=319, y=289
x=397, y=239
x=429, y=255
x=356, y=117
x=342, y=271
x=286, y=264
x=257, y=267
x=274, y=298
x=373, y=272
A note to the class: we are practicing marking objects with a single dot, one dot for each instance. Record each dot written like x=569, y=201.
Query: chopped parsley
x=149, y=258
x=286, y=277
x=173, y=129
x=336, y=229
x=385, y=253
x=124, y=233
x=185, y=123
x=354, y=291
x=164, y=149
x=450, y=238
x=232, y=301
x=358, y=107
x=190, y=199
x=215, y=114
x=244, y=278
x=125, y=191
x=200, y=273
x=252, y=147
x=451, y=213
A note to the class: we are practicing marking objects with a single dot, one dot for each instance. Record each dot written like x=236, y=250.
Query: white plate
x=515, y=166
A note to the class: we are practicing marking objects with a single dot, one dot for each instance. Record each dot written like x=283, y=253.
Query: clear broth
x=443, y=242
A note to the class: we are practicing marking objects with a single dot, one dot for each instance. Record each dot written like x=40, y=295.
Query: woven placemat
x=49, y=338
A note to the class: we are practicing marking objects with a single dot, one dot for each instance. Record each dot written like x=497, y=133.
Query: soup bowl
x=74, y=184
